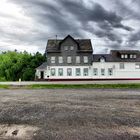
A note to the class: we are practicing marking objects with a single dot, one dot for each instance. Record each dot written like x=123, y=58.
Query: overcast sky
x=110, y=24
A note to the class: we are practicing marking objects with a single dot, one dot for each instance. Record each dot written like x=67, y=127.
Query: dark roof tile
x=83, y=44
x=42, y=66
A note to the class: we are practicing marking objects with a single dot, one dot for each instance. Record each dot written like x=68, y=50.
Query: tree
x=15, y=65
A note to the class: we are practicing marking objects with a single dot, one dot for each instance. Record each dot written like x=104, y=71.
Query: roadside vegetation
x=73, y=86
x=85, y=86
x=19, y=65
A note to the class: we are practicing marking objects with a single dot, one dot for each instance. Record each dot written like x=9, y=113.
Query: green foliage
x=15, y=65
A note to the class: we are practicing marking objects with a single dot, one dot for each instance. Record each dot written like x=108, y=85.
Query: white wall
x=73, y=72
x=129, y=72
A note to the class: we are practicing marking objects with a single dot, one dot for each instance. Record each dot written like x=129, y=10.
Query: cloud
x=135, y=37
x=39, y=20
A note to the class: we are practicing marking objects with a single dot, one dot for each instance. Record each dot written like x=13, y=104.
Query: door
x=42, y=74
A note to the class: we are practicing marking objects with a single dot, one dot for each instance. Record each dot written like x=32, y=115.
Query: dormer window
x=102, y=59
x=124, y=56
x=133, y=56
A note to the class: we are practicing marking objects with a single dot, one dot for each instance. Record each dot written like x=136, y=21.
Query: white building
x=71, y=59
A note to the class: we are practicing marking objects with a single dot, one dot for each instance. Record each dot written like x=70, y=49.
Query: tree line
x=19, y=65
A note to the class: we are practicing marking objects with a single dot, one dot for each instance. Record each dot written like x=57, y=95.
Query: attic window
x=133, y=56
x=102, y=59
x=124, y=56
x=66, y=48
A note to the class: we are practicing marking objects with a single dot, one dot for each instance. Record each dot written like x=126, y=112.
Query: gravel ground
x=70, y=114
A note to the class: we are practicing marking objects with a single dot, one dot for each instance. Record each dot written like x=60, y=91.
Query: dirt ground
x=70, y=114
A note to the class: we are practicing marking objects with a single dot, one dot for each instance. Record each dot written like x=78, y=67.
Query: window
x=110, y=71
x=85, y=59
x=77, y=59
x=69, y=59
x=122, y=55
x=137, y=66
x=102, y=72
x=60, y=59
x=60, y=72
x=95, y=71
x=71, y=48
x=102, y=59
x=132, y=55
x=52, y=71
x=42, y=74
x=66, y=48
x=78, y=72
x=85, y=71
x=125, y=56
x=52, y=59
x=121, y=65
x=69, y=72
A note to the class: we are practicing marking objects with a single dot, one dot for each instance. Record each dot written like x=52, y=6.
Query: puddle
x=21, y=132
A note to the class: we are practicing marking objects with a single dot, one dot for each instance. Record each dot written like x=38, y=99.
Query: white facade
x=128, y=72
x=98, y=70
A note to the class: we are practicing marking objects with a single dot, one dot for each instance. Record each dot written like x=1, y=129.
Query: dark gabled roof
x=42, y=66
x=84, y=45
x=114, y=57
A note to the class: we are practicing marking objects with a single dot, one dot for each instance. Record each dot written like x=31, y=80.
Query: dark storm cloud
x=96, y=13
x=51, y=16
x=135, y=37
x=64, y=17
x=126, y=11
x=45, y=12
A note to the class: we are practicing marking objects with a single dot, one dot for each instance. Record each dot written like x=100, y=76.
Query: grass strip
x=73, y=86
x=85, y=86
x=4, y=86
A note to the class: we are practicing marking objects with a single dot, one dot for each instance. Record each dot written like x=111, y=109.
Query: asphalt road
x=71, y=82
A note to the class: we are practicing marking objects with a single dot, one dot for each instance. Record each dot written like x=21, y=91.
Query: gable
x=83, y=45
x=68, y=39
